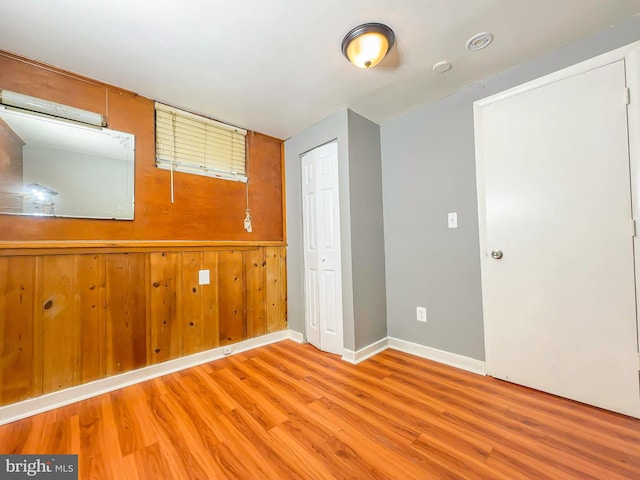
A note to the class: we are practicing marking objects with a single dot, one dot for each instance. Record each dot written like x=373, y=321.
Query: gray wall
x=331, y=128
x=428, y=168
x=361, y=225
x=367, y=231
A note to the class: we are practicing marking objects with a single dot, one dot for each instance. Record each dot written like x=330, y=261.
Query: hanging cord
x=173, y=158
x=247, y=213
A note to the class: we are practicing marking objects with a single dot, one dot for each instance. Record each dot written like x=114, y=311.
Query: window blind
x=193, y=144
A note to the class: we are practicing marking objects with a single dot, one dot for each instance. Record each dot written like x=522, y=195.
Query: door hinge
x=634, y=230
x=627, y=96
x=638, y=361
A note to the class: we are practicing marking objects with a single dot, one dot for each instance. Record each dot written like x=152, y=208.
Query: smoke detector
x=479, y=41
x=442, y=67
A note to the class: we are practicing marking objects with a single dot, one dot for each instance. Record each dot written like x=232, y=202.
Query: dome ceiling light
x=366, y=45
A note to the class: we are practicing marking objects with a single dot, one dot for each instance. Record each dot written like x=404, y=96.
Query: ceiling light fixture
x=366, y=45
x=479, y=41
x=25, y=102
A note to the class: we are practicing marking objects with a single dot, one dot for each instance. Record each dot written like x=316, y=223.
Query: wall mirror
x=59, y=168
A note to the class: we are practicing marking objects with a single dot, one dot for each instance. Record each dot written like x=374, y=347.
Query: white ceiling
x=276, y=66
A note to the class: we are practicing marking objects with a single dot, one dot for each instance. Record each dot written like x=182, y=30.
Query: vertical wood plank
x=91, y=286
x=165, y=328
x=284, y=319
x=256, y=288
x=210, y=302
x=274, y=307
x=126, y=312
x=231, y=297
x=16, y=329
x=37, y=326
x=191, y=304
x=60, y=323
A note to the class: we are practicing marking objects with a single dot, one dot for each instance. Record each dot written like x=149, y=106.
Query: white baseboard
x=448, y=358
x=296, y=336
x=452, y=359
x=33, y=406
x=366, y=352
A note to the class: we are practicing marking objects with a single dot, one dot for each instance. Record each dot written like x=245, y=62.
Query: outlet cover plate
x=204, y=278
x=421, y=314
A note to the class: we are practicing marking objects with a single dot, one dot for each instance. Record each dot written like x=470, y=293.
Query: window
x=193, y=144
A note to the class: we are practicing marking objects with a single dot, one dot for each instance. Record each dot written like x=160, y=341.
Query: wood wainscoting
x=71, y=315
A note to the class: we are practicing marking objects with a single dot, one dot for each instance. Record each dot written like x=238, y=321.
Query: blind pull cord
x=247, y=213
x=173, y=158
x=171, y=182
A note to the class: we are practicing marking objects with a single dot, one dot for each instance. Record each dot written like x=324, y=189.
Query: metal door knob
x=497, y=254
x=324, y=259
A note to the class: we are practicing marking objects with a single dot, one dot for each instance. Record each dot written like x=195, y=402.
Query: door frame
x=631, y=55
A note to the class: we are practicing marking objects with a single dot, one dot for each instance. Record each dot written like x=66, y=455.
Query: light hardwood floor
x=287, y=411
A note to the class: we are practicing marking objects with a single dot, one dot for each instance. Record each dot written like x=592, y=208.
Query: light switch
x=203, y=277
x=453, y=220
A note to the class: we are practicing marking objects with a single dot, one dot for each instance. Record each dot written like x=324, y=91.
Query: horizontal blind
x=193, y=144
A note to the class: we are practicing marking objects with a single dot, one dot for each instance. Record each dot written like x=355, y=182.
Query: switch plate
x=421, y=314
x=204, y=277
x=453, y=220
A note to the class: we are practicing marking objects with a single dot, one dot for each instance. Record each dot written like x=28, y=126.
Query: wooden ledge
x=43, y=247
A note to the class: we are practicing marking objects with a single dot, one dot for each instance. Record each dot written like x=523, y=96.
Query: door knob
x=324, y=259
x=496, y=254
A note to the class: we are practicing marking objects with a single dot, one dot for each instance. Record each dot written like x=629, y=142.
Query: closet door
x=321, y=231
x=557, y=239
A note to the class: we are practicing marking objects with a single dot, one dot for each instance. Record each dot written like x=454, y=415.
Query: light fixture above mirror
x=38, y=105
x=366, y=45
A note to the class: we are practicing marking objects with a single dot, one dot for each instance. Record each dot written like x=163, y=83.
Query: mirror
x=58, y=168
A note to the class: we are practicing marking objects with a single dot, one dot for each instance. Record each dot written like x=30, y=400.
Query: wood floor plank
x=288, y=411
x=256, y=454
x=188, y=434
x=349, y=465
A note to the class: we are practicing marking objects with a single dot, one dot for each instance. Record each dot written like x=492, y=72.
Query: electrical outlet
x=421, y=314
x=204, y=278
x=227, y=350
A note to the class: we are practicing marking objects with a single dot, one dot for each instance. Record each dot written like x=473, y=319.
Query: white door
x=321, y=230
x=555, y=202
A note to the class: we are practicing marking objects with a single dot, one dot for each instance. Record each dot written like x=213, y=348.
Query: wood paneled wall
x=204, y=208
x=73, y=317
x=84, y=299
